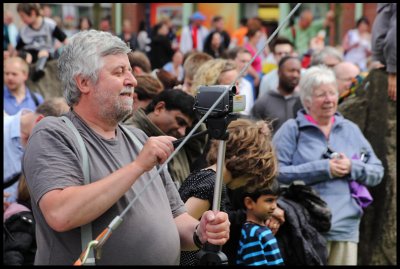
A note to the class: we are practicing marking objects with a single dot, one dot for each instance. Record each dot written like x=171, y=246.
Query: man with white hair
x=98, y=84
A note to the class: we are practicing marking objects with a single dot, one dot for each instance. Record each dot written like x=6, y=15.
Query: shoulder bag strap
x=86, y=230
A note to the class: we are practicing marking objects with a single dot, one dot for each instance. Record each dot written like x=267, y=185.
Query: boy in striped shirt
x=257, y=244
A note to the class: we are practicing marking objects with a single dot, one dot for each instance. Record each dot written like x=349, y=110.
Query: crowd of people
x=130, y=98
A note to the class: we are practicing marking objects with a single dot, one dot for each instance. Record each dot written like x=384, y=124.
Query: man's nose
x=182, y=131
x=130, y=80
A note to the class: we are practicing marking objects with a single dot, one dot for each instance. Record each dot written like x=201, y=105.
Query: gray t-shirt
x=275, y=107
x=147, y=235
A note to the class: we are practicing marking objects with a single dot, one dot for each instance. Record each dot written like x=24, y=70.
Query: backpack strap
x=135, y=140
x=86, y=230
x=34, y=97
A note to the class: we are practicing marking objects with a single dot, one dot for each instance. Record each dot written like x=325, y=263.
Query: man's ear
x=137, y=70
x=160, y=106
x=39, y=118
x=83, y=84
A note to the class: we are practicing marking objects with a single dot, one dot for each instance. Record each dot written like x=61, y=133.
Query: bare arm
x=196, y=207
x=75, y=206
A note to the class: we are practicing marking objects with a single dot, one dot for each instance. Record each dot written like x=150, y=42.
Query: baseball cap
x=198, y=16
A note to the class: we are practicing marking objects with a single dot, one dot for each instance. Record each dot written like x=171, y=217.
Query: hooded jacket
x=300, y=149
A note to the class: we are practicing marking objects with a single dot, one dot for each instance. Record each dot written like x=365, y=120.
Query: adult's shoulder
x=291, y=124
x=198, y=180
x=288, y=130
x=50, y=122
x=49, y=21
x=140, y=134
x=53, y=127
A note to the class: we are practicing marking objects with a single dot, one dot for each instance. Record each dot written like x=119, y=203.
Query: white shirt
x=358, y=55
x=186, y=43
x=245, y=88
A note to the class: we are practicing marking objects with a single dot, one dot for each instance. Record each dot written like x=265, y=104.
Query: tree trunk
x=375, y=114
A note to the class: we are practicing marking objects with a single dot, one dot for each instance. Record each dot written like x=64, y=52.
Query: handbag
x=358, y=191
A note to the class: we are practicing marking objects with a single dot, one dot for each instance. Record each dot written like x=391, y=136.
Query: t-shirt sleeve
x=200, y=185
x=59, y=34
x=175, y=201
x=52, y=159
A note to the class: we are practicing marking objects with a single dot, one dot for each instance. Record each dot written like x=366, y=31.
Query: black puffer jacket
x=19, y=242
x=306, y=217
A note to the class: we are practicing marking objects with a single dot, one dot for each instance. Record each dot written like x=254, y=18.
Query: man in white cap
x=193, y=35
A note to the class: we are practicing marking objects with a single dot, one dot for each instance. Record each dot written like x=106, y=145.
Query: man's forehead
x=115, y=60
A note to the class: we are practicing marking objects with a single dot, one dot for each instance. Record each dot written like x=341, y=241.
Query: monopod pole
x=212, y=254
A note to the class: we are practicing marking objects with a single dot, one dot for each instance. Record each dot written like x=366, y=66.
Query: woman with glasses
x=301, y=146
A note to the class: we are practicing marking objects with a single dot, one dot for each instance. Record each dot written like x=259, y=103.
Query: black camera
x=222, y=114
x=207, y=95
x=331, y=154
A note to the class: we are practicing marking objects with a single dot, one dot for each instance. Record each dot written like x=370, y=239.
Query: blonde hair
x=210, y=72
x=148, y=86
x=192, y=62
x=249, y=152
x=23, y=192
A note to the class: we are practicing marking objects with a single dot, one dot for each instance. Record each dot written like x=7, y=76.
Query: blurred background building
x=68, y=14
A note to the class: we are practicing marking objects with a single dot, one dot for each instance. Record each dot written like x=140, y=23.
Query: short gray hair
x=83, y=56
x=312, y=78
x=319, y=57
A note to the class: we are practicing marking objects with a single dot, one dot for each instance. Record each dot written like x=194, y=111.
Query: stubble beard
x=116, y=111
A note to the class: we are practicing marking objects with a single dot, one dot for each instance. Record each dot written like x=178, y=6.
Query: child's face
x=264, y=206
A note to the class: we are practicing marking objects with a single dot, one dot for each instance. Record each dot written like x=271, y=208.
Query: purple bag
x=360, y=193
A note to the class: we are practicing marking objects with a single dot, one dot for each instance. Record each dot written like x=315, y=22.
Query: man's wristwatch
x=196, y=238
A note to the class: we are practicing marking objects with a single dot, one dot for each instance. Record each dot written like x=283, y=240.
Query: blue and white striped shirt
x=258, y=246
